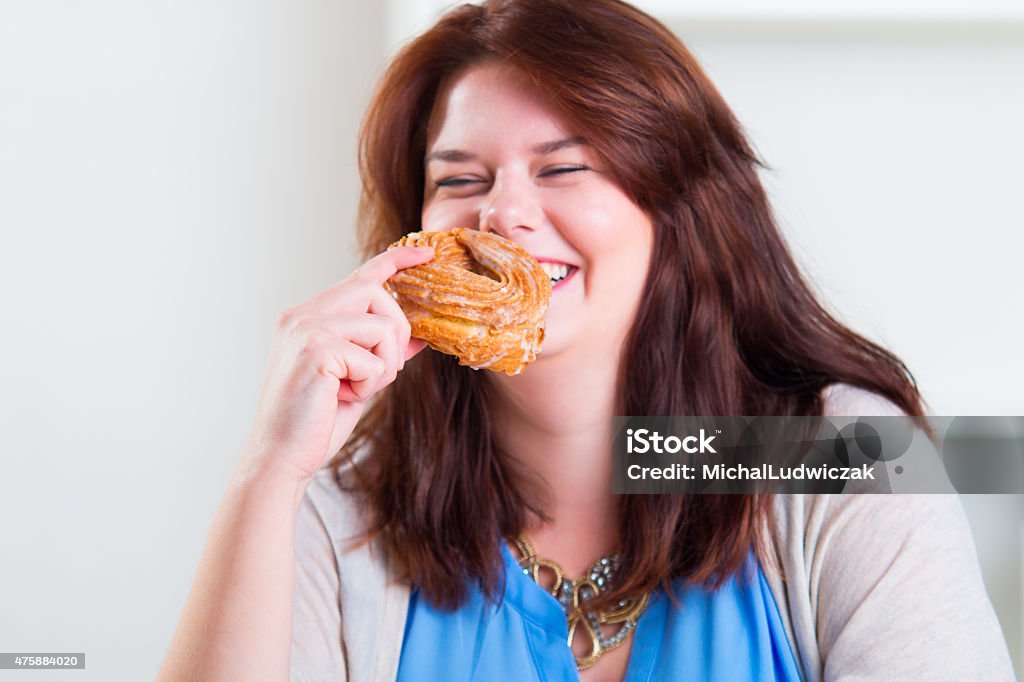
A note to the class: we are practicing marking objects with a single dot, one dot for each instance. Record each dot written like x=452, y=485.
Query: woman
x=586, y=133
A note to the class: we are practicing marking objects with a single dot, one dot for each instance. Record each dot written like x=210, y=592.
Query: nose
x=510, y=208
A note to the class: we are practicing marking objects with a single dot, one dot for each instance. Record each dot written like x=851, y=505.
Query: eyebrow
x=552, y=147
x=457, y=155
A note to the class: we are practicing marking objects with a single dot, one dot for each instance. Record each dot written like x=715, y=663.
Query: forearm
x=237, y=620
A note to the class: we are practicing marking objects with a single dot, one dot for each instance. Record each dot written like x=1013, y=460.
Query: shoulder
x=849, y=566
x=852, y=566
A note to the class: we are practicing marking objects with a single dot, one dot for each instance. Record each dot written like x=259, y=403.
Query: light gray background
x=172, y=175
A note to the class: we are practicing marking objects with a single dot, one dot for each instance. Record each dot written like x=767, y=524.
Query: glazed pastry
x=482, y=298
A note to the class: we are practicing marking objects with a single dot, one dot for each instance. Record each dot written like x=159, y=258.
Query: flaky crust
x=482, y=298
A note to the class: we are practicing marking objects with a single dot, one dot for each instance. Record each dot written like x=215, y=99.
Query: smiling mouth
x=558, y=272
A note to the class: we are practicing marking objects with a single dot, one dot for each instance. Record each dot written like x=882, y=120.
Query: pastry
x=482, y=298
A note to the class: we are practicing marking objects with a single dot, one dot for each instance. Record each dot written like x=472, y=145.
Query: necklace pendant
x=573, y=595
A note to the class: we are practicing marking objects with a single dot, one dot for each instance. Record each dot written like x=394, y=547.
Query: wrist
x=269, y=478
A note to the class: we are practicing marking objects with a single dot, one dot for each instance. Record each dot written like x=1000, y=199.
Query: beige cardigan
x=869, y=587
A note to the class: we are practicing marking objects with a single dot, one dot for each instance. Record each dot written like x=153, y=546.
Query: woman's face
x=499, y=159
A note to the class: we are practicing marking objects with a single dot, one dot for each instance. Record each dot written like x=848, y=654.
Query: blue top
x=733, y=633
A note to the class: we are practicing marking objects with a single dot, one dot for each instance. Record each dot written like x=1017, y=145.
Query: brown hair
x=727, y=325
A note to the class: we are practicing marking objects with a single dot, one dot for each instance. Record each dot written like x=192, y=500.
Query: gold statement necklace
x=573, y=595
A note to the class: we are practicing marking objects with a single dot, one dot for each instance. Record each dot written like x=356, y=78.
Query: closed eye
x=455, y=182
x=563, y=170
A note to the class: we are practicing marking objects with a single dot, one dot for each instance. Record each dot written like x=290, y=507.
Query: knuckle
x=314, y=343
x=356, y=277
x=368, y=288
x=392, y=322
x=286, y=318
x=364, y=272
x=357, y=292
x=296, y=322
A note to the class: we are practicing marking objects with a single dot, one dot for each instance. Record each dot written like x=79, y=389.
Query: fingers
x=365, y=330
x=379, y=302
x=414, y=347
x=353, y=293
x=346, y=394
x=378, y=334
x=381, y=337
x=382, y=304
x=360, y=371
x=379, y=268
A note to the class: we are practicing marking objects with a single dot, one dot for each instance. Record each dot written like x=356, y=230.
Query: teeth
x=555, y=271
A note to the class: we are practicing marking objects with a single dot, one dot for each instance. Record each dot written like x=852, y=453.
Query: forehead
x=492, y=102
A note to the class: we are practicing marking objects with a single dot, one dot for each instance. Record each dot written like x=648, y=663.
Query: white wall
x=895, y=151
x=174, y=174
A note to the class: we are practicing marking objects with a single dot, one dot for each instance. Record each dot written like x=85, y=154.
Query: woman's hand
x=329, y=356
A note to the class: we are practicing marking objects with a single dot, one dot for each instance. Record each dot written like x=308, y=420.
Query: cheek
x=442, y=217
x=431, y=220
x=614, y=234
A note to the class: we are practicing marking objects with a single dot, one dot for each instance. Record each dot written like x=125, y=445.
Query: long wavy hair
x=726, y=326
